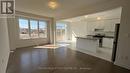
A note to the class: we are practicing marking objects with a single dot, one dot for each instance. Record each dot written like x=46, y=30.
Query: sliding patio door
x=61, y=32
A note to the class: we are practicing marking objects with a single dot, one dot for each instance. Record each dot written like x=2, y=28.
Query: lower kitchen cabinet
x=108, y=42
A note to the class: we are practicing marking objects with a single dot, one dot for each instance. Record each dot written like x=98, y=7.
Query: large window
x=24, y=28
x=42, y=29
x=32, y=28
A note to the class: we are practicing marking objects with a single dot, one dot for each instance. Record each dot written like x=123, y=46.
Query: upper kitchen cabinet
x=109, y=24
x=93, y=25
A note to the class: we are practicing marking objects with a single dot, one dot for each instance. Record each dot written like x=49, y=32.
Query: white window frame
x=29, y=27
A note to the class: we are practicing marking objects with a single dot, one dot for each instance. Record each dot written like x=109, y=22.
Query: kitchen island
x=93, y=42
x=87, y=44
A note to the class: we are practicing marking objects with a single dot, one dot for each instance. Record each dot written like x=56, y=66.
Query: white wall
x=12, y=31
x=4, y=45
x=69, y=32
x=79, y=28
x=123, y=51
x=13, y=26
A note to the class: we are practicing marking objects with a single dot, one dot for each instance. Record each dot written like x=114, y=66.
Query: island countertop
x=88, y=38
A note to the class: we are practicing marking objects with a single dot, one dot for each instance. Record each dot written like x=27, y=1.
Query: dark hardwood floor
x=61, y=60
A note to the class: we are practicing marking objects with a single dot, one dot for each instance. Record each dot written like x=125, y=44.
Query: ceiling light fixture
x=53, y=4
x=86, y=16
x=98, y=18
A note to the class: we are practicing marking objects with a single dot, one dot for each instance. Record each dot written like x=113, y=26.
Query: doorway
x=61, y=32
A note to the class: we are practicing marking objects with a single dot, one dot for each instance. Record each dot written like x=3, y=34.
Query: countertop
x=91, y=37
x=104, y=36
x=87, y=38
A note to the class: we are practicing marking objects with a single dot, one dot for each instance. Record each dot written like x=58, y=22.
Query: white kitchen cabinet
x=109, y=25
x=108, y=42
x=91, y=26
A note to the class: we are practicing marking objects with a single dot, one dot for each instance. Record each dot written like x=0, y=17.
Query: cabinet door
x=108, y=42
x=110, y=24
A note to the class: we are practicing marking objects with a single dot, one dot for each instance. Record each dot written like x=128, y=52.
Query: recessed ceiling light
x=98, y=18
x=53, y=4
x=86, y=16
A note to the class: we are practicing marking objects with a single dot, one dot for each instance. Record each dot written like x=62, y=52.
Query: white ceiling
x=66, y=8
x=109, y=14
